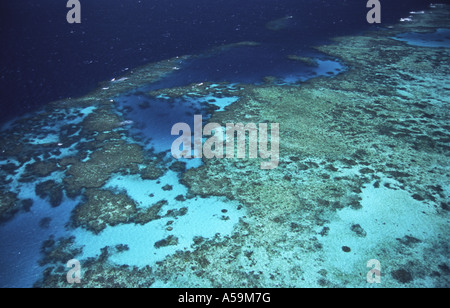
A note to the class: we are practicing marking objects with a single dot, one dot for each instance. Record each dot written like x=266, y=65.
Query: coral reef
x=103, y=208
x=8, y=205
x=363, y=174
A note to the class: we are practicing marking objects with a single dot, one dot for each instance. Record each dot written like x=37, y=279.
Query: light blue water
x=205, y=217
x=152, y=119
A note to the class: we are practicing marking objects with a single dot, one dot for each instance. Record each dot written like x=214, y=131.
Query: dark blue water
x=153, y=118
x=440, y=38
x=43, y=58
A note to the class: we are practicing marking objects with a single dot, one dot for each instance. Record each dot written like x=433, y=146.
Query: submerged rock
x=103, y=208
x=50, y=190
x=169, y=241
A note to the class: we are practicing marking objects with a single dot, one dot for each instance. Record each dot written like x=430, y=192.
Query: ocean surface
x=43, y=58
x=223, y=50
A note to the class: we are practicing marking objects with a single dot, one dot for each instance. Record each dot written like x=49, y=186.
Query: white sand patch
x=385, y=216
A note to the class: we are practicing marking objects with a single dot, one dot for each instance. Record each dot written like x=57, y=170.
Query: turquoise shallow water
x=147, y=121
x=205, y=218
x=150, y=118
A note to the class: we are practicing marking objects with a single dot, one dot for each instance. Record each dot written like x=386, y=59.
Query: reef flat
x=363, y=171
x=363, y=174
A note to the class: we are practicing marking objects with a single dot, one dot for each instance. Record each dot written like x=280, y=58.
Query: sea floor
x=363, y=172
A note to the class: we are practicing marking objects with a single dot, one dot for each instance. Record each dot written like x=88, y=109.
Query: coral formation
x=363, y=174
